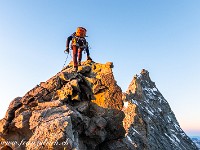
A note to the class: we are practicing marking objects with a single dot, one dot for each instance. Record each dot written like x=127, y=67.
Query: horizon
x=161, y=37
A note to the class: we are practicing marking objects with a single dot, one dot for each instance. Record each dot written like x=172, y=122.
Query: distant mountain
x=87, y=110
x=197, y=137
x=196, y=140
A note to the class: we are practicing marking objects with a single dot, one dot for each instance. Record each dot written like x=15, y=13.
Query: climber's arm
x=68, y=41
x=87, y=51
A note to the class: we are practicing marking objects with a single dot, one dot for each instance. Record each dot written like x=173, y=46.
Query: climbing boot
x=89, y=58
x=76, y=68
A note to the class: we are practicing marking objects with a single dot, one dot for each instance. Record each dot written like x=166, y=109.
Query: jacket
x=80, y=42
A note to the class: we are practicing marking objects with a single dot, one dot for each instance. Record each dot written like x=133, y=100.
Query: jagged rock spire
x=149, y=120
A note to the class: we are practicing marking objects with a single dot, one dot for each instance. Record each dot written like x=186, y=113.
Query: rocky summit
x=87, y=110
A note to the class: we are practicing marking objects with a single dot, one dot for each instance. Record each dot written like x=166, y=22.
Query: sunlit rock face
x=71, y=110
x=87, y=110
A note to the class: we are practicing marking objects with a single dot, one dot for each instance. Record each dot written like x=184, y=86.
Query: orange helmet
x=81, y=32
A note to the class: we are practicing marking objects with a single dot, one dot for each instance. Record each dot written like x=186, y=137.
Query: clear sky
x=162, y=36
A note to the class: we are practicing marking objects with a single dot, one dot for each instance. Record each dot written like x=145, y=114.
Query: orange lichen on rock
x=110, y=96
x=129, y=110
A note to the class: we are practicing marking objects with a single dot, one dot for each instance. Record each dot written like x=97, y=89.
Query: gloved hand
x=89, y=58
x=67, y=50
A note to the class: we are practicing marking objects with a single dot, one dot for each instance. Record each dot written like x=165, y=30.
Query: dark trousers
x=77, y=52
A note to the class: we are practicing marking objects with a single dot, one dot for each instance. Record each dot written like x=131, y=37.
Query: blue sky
x=160, y=36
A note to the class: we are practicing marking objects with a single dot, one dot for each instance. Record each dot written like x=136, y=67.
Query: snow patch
x=125, y=104
x=149, y=111
x=172, y=130
x=135, y=131
x=129, y=139
x=176, y=138
x=183, y=134
x=170, y=138
x=159, y=109
x=150, y=95
x=177, y=127
x=134, y=102
x=155, y=89
x=169, y=119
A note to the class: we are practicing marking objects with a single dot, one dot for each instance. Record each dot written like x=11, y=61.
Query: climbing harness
x=79, y=41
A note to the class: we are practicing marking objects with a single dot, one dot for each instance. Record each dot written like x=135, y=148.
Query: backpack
x=81, y=32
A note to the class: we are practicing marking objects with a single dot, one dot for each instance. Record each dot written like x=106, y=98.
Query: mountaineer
x=78, y=44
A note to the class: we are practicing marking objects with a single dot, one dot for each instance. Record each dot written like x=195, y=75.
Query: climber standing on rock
x=78, y=44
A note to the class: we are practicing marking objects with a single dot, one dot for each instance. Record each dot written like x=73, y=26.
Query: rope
x=42, y=117
x=65, y=62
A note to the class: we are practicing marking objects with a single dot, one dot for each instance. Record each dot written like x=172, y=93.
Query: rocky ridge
x=87, y=110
